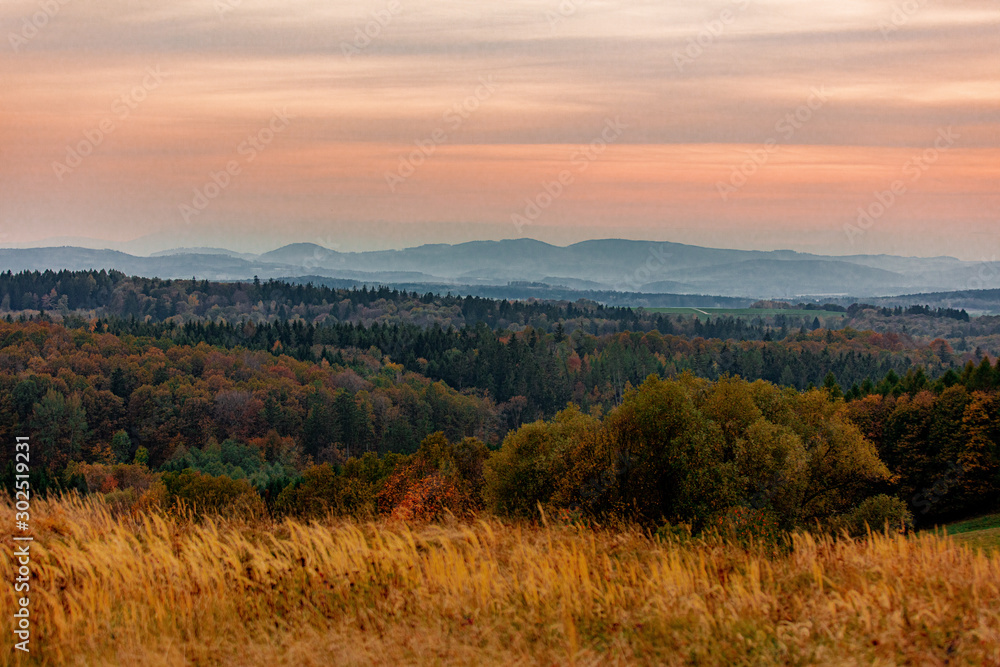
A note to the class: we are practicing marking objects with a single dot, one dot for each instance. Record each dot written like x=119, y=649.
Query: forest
x=296, y=417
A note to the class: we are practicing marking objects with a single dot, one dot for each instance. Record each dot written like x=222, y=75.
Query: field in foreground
x=157, y=590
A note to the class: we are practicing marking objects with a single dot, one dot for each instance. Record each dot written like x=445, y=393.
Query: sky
x=850, y=127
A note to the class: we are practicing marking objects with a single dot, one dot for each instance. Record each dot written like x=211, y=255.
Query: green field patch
x=981, y=539
x=745, y=312
x=979, y=533
x=990, y=521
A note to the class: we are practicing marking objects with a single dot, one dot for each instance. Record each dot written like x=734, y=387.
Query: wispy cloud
x=354, y=116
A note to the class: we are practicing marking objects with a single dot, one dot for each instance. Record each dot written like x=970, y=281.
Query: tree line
x=176, y=403
x=549, y=369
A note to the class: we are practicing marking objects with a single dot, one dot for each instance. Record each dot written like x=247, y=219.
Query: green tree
x=59, y=426
x=534, y=459
x=121, y=446
x=831, y=386
x=843, y=466
x=670, y=459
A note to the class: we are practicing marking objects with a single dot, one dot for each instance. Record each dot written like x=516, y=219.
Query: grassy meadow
x=158, y=589
x=982, y=532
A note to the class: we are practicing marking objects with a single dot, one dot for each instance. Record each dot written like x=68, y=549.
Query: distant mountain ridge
x=608, y=265
x=203, y=251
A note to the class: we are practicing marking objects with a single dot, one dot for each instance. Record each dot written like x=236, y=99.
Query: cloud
x=561, y=68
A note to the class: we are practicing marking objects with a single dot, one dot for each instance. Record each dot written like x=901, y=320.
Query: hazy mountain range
x=599, y=265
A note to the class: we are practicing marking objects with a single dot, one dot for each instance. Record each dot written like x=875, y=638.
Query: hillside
x=609, y=265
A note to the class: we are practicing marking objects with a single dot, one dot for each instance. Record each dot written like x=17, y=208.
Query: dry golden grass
x=160, y=591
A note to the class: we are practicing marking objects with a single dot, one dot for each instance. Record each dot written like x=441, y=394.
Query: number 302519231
x=22, y=485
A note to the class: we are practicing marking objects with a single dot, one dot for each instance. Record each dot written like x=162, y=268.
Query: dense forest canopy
x=102, y=293
x=454, y=398
x=502, y=346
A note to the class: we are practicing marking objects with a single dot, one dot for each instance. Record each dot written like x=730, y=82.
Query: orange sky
x=822, y=106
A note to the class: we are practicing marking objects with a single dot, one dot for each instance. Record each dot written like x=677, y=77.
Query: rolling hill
x=598, y=265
